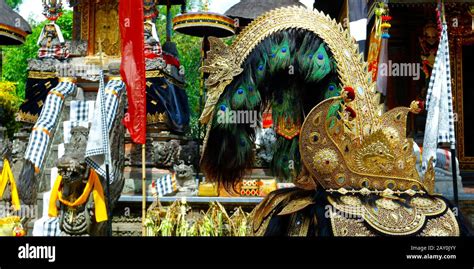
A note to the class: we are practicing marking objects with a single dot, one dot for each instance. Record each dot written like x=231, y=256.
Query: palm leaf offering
x=178, y=219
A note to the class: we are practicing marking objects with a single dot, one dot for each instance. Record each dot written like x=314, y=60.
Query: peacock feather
x=289, y=72
x=246, y=96
x=332, y=90
x=280, y=55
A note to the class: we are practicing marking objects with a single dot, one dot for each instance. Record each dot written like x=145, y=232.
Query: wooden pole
x=143, y=191
x=109, y=203
x=455, y=175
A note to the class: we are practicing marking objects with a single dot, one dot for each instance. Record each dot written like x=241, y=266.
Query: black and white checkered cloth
x=166, y=185
x=51, y=227
x=79, y=111
x=47, y=121
x=439, y=103
x=98, y=149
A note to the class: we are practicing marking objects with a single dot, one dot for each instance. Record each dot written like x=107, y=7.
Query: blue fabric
x=163, y=96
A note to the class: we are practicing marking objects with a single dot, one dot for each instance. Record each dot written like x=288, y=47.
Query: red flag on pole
x=132, y=67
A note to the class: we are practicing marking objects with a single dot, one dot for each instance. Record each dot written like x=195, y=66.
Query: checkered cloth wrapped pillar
x=47, y=121
x=439, y=104
x=98, y=138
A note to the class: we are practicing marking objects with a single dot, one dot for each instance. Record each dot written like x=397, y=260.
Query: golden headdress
x=346, y=159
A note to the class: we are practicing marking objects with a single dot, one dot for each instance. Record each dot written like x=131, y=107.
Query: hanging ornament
x=385, y=26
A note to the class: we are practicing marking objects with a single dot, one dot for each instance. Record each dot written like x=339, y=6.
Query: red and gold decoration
x=133, y=67
x=375, y=161
x=288, y=128
x=379, y=32
x=250, y=187
x=204, y=23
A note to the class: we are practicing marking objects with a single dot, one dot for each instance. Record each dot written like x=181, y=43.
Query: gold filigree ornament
x=425, y=216
x=221, y=67
x=379, y=161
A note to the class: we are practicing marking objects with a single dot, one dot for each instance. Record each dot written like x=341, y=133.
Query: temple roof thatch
x=13, y=28
x=251, y=9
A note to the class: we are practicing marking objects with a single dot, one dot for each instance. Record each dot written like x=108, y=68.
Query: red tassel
x=352, y=113
x=350, y=94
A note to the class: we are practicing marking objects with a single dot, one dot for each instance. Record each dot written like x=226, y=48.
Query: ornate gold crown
x=345, y=159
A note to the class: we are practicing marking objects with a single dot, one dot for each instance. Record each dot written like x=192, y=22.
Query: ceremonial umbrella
x=204, y=24
x=247, y=10
x=13, y=28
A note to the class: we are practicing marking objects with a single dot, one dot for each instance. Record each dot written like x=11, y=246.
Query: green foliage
x=15, y=59
x=9, y=104
x=15, y=63
x=14, y=3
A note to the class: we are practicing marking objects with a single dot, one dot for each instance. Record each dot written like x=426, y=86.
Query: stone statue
x=72, y=167
x=75, y=172
x=189, y=153
x=266, y=140
x=51, y=43
x=166, y=153
x=185, y=178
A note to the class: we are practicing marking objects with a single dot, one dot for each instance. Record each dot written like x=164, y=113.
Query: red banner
x=132, y=67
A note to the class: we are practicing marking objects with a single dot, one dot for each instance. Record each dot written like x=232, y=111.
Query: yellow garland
x=7, y=176
x=93, y=184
